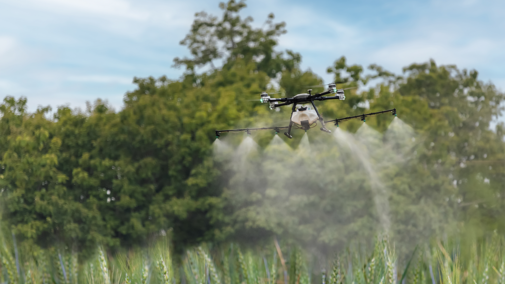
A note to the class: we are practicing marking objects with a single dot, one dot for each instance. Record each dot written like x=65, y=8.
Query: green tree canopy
x=118, y=178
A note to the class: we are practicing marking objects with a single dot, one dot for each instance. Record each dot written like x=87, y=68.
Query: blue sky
x=67, y=52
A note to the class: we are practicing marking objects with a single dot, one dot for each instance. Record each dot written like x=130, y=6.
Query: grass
x=449, y=262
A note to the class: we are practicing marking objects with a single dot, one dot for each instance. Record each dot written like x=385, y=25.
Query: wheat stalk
x=273, y=271
x=60, y=263
x=145, y=272
x=8, y=262
x=335, y=275
x=390, y=271
x=243, y=266
x=74, y=267
x=226, y=270
x=103, y=265
x=213, y=272
x=162, y=268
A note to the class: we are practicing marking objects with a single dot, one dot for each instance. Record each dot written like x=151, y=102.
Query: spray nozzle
x=363, y=118
x=217, y=134
x=394, y=111
x=248, y=132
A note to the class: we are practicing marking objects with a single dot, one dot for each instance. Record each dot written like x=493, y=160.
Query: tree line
x=98, y=175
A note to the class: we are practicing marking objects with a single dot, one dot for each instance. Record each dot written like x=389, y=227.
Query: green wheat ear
x=243, y=267
x=273, y=271
x=9, y=264
x=371, y=270
x=226, y=269
x=335, y=273
x=501, y=273
x=103, y=265
x=210, y=264
x=391, y=269
x=74, y=266
x=28, y=277
x=162, y=268
x=127, y=279
x=145, y=271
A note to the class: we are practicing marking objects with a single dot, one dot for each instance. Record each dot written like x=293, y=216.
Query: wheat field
x=440, y=262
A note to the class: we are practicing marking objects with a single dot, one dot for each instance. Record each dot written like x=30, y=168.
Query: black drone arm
x=279, y=99
x=321, y=94
x=362, y=116
x=284, y=104
x=327, y=98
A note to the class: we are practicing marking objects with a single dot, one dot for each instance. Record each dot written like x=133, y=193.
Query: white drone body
x=305, y=116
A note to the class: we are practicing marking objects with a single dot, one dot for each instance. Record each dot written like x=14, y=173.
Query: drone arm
x=328, y=98
x=284, y=104
x=279, y=99
x=321, y=94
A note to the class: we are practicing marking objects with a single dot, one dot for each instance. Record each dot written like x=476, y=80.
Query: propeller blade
x=323, y=85
x=349, y=88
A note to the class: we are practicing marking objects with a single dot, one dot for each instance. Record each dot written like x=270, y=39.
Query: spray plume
x=336, y=188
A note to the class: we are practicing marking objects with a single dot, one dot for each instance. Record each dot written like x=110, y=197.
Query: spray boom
x=362, y=116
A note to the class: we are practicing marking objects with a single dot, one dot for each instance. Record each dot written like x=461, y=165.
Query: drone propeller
x=317, y=86
x=323, y=85
x=349, y=88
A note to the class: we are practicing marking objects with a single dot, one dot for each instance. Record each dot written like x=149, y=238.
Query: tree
x=231, y=38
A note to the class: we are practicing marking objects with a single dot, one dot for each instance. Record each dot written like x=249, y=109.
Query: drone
x=305, y=117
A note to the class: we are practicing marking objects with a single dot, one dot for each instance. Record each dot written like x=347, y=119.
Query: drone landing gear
x=288, y=134
x=323, y=127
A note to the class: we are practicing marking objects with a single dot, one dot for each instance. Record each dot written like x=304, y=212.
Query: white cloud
x=7, y=44
x=115, y=8
x=420, y=50
x=8, y=87
x=11, y=53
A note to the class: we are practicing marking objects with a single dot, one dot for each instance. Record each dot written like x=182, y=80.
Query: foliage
x=82, y=178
